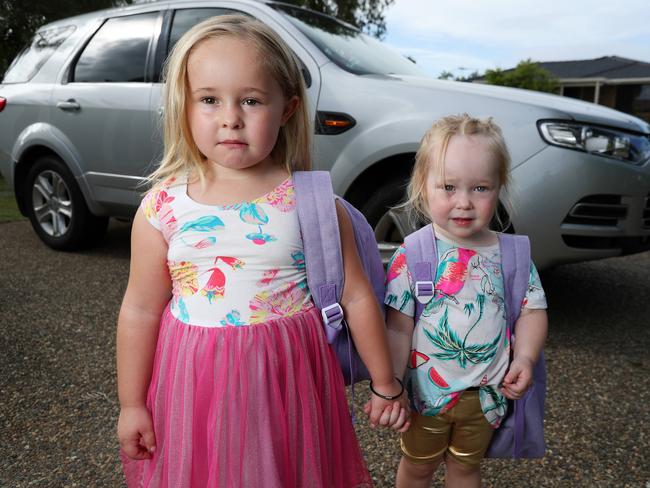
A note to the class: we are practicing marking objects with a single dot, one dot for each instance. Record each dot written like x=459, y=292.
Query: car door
x=103, y=109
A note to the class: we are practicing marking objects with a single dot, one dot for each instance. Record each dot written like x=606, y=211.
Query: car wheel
x=390, y=225
x=501, y=221
x=57, y=209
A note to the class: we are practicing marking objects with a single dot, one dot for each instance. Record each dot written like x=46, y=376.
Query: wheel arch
x=43, y=139
x=397, y=167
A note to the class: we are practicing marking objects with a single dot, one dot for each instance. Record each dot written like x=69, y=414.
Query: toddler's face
x=235, y=107
x=463, y=202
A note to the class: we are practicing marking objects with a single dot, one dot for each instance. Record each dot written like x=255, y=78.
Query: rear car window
x=33, y=56
x=118, y=51
x=185, y=19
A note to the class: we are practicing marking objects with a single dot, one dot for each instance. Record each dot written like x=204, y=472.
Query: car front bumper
x=577, y=206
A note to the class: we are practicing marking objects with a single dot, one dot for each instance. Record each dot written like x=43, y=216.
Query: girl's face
x=463, y=204
x=235, y=107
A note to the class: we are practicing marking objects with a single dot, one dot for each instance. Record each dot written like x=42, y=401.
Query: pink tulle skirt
x=250, y=406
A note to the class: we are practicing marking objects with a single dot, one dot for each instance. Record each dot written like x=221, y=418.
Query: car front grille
x=602, y=210
x=595, y=222
x=626, y=245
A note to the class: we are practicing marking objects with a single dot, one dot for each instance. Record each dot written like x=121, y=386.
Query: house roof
x=610, y=67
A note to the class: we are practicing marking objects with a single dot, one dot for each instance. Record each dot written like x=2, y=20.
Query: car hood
x=564, y=106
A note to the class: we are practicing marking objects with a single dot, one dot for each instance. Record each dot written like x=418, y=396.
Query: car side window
x=185, y=19
x=36, y=53
x=118, y=51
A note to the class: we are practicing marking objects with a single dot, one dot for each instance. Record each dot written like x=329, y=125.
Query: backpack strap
x=322, y=246
x=422, y=263
x=515, y=263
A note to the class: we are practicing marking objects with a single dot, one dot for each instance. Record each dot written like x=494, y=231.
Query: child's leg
x=459, y=475
x=423, y=447
x=414, y=475
x=470, y=437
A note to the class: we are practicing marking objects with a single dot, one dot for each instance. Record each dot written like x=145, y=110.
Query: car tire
x=390, y=225
x=57, y=209
x=501, y=221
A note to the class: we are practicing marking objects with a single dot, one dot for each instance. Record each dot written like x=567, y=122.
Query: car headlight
x=625, y=146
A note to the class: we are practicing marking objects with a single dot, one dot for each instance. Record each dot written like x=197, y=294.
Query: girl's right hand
x=394, y=414
x=135, y=432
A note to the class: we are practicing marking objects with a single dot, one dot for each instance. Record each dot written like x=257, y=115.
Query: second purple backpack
x=315, y=201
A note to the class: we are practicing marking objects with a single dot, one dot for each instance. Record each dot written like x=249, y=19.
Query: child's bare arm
x=367, y=328
x=530, y=334
x=147, y=293
x=400, y=334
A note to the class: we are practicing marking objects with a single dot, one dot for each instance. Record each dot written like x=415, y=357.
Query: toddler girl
x=458, y=351
x=225, y=376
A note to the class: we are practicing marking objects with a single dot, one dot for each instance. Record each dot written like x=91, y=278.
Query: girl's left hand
x=518, y=378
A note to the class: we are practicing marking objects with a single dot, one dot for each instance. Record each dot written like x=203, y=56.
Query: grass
x=8, y=208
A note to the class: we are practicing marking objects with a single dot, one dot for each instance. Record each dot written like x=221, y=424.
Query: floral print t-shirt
x=231, y=265
x=461, y=339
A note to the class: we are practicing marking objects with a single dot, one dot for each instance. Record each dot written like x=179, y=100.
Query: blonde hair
x=181, y=154
x=437, y=138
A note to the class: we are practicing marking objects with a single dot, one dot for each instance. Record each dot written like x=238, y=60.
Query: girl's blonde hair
x=433, y=149
x=181, y=154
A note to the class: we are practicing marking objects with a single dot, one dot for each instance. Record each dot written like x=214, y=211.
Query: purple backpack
x=521, y=433
x=319, y=227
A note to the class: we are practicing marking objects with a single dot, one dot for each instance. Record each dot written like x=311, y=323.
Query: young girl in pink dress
x=225, y=376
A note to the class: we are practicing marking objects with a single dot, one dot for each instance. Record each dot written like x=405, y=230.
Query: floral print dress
x=238, y=264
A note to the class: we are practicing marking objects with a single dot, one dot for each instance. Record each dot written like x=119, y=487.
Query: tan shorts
x=462, y=432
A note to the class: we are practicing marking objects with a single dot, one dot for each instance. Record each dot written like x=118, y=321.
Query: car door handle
x=70, y=105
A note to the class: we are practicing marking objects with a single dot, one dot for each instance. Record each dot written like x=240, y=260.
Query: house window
x=586, y=93
x=634, y=99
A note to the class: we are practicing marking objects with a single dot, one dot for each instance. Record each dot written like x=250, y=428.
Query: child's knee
x=419, y=470
x=458, y=467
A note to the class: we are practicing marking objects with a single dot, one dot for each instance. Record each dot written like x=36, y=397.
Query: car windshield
x=346, y=46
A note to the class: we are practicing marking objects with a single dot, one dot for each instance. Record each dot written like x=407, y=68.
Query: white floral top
x=461, y=339
x=231, y=265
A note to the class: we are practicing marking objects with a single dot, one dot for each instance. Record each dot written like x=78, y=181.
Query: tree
x=527, y=74
x=19, y=20
x=448, y=75
x=367, y=15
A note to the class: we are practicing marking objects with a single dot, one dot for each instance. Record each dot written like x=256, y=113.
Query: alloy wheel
x=52, y=203
x=390, y=230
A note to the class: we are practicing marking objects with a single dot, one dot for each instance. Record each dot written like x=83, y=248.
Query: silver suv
x=80, y=119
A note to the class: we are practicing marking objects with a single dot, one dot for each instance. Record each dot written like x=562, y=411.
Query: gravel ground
x=58, y=402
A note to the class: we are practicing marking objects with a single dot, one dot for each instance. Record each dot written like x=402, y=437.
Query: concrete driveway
x=58, y=402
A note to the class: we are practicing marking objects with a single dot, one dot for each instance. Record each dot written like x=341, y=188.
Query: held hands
x=135, y=432
x=394, y=412
x=518, y=378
